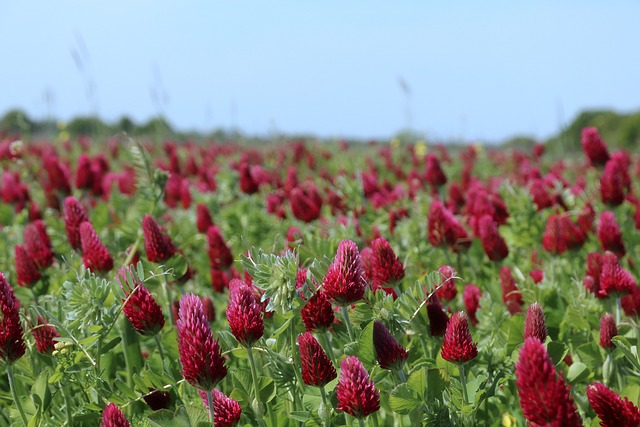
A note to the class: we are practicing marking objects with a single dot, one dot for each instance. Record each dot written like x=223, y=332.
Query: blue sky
x=475, y=70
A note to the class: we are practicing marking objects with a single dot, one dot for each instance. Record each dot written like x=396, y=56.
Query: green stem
x=35, y=297
x=159, y=345
x=14, y=392
x=374, y=419
x=326, y=412
x=132, y=252
x=463, y=381
x=361, y=422
x=67, y=406
x=618, y=312
x=167, y=295
x=210, y=402
x=347, y=321
x=295, y=356
x=401, y=376
x=254, y=376
x=327, y=346
x=98, y=356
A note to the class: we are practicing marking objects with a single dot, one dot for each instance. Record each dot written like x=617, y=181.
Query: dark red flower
x=594, y=147
x=226, y=411
x=614, y=280
x=74, y=215
x=561, y=234
x=112, y=416
x=537, y=276
x=317, y=314
x=140, y=307
x=38, y=244
x=389, y=353
x=209, y=309
x=344, y=282
x=434, y=174
x=534, y=323
x=157, y=399
x=438, y=318
x=95, y=255
x=608, y=330
x=510, y=294
x=203, y=218
x=541, y=197
x=386, y=268
x=444, y=229
x=492, y=242
x=219, y=253
x=84, y=174
x=357, y=395
x=11, y=340
x=317, y=369
x=244, y=313
x=458, y=346
x=248, y=184
x=220, y=279
x=27, y=273
x=609, y=234
x=158, y=245
x=43, y=333
x=615, y=182
x=471, y=297
x=631, y=303
x=306, y=202
x=200, y=355
x=545, y=399
x=611, y=409
x=447, y=290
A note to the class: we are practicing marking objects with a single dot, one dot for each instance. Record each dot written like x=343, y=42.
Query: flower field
x=301, y=283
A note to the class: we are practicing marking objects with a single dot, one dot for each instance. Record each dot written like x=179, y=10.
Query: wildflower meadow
x=164, y=283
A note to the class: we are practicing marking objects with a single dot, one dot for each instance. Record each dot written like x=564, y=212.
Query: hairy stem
x=14, y=392
x=210, y=402
x=463, y=381
x=254, y=376
x=347, y=321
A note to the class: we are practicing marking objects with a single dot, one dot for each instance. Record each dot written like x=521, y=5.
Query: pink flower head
x=631, y=303
x=317, y=314
x=11, y=340
x=386, y=268
x=226, y=411
x=112, y=416
x=447, y=288
x=614, y=280
x=534, y=323
x=609, y=234
x=594, y=147
x=140, y=308
x=443, y=229
x=438, y=318
x=27, y=273
x=203, y=218
x=306, y=202
x=357, y=395
x=244, y=313
x=561, y=234
x=492, y=242
x=471, y=297
x=95, y=255
x=510, y=294
x=434, y=174
x=44, y=334
x=458, y=347
x=389, y=353
x=74, y=215
x=158, y=245
x=544, y=397
x=219, y=253
x=200, y=355
x=611, y=409
x=38, y=244
x=344, y=282
x=615, y=182
x=317, y=369
x=608, y=330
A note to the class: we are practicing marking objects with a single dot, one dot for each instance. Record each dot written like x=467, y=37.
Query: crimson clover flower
x=357, y=395
x=200, y=355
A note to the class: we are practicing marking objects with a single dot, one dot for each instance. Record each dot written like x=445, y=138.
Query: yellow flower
x=395, y=143
x=420, y=149
x=508, y=420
